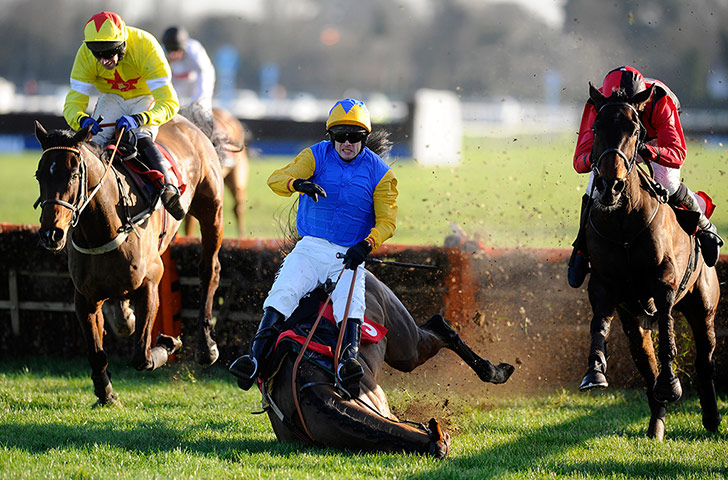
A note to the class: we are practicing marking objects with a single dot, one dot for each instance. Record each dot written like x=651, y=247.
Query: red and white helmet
x=626, y=78
x=105, y=27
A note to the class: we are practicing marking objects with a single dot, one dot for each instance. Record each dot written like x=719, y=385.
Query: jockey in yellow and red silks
x=347, y=207
x=128, y=68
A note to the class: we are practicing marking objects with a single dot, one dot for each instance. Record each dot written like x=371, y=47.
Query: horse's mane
x=65, y=137
x=202, y=119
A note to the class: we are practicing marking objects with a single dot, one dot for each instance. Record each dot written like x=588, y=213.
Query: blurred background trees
x=478, y=49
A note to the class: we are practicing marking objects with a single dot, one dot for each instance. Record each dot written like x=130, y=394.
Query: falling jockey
x=347, y=207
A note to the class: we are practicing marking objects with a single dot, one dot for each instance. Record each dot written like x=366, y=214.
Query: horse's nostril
x=619, y=186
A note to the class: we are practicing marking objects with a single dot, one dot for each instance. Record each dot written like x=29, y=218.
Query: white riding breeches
x=114, y=106
x=310, y=263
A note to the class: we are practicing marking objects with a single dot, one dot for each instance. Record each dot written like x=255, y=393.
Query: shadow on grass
x=536, y=451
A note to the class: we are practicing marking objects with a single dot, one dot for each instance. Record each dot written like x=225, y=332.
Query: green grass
x=512, y=192
x=184, y=422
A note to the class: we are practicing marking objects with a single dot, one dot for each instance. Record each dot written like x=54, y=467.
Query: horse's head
x=617, y=133
x=61, y=176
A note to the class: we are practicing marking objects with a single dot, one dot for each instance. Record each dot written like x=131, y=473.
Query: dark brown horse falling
x=86, y=208
x=366, y=423
x=640, y=254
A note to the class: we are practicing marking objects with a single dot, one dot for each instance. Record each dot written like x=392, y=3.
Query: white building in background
x=437, y=128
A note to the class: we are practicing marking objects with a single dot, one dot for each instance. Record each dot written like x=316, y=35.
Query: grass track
x=185, y=422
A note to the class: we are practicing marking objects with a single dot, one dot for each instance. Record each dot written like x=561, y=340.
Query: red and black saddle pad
x=323, y=343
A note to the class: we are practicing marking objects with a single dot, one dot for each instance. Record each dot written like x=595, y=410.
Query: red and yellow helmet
x=349, y=112
x=105, y=27
x=626, y=78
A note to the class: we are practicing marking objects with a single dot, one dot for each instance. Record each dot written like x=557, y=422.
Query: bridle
x=642, y=132
x=84, y=197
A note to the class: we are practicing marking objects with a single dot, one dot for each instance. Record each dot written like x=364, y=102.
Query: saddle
x=135, y=164
x=320, y=350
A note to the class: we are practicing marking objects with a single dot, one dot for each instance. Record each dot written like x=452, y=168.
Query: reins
x=84, y=197
x=303, y=351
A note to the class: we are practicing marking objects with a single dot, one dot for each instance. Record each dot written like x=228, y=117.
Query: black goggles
x=106, y=54
x=352, y=137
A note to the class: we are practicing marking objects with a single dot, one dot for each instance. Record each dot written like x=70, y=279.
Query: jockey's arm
x=82, y=87
x=385, y=210
x=166, y=104
x=303, y=166
x=669, y=149
x=585, y=141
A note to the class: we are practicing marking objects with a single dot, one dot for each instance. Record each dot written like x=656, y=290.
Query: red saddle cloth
x=143, y=176
x=371, y=332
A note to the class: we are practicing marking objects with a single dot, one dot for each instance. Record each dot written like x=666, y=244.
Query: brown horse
x=235, y=168
x=640, y=254
x=366, y=423
x=115, y=249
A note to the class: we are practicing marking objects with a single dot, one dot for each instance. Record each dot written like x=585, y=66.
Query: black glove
x=309, y=188
x=356, y=254
x=644, y=151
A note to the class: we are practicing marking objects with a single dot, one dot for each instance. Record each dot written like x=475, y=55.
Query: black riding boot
x=579, y=261
x=350, y=371
x=248, y=367
x=710, y=241
x=169, y=191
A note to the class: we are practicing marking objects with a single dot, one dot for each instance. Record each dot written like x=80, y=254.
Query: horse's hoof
x=667, y=392
x=656, y=429
x=711, y=422
x=440, y=441
x=593, y=379
x=171, y=344
x=503, y=372
x=209, y=357
x=110, y=401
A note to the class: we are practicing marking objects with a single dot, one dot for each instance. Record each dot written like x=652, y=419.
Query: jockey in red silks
x=664, y=146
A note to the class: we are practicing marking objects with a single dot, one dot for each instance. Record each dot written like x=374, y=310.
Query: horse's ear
x=81, y=135
x=639, y=99
x=596, y=96
x=40, y=134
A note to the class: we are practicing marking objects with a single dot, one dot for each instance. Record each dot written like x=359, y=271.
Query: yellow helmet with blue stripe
x=349, y=112
x=105, y=27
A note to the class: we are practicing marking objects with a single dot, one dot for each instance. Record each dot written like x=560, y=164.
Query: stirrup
x=170, y=199
x=578, y=271
x=349, y=375
x=710, y=243
x=245, y=369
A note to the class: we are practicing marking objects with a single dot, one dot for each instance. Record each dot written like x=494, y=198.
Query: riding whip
x=393, y=263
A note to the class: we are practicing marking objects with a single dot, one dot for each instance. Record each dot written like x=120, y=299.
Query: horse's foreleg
x=92, y=323
x=603, y=307
x=485, y=370
x=211, y=229
x=146, y=304
x=643, y=354
x=667, y=386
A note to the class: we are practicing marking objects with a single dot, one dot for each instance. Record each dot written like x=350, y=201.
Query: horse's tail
x=202, y=119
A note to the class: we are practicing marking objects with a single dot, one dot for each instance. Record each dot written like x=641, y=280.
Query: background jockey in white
x=127, y=67
x=193, y=74
x=347, y=206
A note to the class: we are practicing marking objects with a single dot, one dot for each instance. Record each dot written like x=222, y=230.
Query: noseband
x=629, y=162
